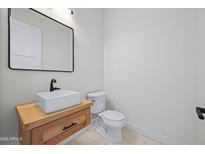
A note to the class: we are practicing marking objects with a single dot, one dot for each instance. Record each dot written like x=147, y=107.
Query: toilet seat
x=113, y=115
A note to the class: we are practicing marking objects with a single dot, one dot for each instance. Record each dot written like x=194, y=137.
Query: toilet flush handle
x=91, y=99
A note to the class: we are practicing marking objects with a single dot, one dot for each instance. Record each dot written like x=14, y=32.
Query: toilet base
x=112, y=134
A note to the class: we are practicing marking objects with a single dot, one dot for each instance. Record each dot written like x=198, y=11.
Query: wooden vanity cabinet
x=38, y=127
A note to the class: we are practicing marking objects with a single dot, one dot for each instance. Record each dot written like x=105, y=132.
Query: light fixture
x=70, y=11
x=63, y=10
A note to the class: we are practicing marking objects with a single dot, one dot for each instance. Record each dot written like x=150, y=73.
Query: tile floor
x=91, y=137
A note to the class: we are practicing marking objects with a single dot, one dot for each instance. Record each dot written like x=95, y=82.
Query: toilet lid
x=97, y=94
x=113, y=115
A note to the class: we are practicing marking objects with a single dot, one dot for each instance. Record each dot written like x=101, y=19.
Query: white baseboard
x=152, y=134
x=67, y=140
x=163, y=139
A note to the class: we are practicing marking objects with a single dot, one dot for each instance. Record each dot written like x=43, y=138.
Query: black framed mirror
x=37, y=42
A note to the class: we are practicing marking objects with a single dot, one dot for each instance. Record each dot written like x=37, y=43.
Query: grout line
x=107, y=141
x=92, y=139
x=99, y=135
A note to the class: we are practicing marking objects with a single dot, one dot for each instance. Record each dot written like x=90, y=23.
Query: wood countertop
x=31, y=116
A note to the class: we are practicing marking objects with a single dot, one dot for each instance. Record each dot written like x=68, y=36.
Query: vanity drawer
x=56, y=131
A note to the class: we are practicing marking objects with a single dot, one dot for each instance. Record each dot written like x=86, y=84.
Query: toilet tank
x=99, y=99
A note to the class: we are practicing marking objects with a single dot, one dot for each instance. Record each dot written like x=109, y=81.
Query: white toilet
x=107, y=122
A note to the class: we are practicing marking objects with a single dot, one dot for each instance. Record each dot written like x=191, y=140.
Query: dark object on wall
x=200, y=112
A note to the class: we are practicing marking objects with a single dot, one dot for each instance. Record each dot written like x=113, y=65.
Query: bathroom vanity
x=38, y=127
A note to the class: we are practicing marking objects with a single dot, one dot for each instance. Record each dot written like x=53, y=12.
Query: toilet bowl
x=108, y=123
x=113, y=121
x=113, y=118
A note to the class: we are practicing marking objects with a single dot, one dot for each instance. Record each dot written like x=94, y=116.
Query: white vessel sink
x=57, y=100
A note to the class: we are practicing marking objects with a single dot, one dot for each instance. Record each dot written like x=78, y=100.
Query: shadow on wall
x=109, y=104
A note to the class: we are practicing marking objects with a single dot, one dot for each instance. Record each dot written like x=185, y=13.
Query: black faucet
x=51, y=85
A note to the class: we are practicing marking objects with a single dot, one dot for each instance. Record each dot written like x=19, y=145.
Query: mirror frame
x=9, y=14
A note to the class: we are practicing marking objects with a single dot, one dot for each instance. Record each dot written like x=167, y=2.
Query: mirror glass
x=39, y=42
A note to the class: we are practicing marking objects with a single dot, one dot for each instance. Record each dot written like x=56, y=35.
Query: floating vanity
x=38, y=127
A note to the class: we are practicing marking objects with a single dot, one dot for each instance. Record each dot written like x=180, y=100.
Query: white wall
x=200, y=73
x=1, y=132
x=153, y=68
x=20, y=86
x=150, y=68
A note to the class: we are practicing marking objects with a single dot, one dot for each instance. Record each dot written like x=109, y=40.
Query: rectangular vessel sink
x=57, y=100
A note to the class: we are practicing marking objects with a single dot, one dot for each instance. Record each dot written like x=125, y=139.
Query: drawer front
x=60, y=129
